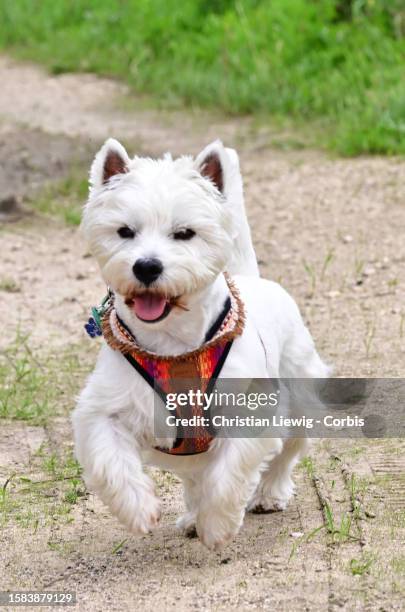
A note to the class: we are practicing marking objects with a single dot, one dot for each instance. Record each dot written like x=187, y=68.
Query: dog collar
x=227, y=326
x=202, y=366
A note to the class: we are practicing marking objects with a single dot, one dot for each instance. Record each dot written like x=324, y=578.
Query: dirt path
x=330, y=231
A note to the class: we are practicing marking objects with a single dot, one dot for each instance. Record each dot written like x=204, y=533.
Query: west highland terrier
x=173, y=244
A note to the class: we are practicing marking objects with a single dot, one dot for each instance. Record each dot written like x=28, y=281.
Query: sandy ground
x=331, y=231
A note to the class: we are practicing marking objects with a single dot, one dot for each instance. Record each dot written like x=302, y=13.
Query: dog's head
x=160, y=230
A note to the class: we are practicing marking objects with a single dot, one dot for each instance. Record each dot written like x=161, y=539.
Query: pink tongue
x=149, y=306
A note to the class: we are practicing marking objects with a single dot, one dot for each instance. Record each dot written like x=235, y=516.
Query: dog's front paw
x=216, y=531
x=137, y=509
x=145, y=516
x=271, y=498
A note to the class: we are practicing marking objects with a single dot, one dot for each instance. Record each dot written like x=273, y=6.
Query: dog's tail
x=243, y=260
x=244, y=257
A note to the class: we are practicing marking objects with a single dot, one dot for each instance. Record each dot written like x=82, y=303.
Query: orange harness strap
x=201, y=366
x=201, y=371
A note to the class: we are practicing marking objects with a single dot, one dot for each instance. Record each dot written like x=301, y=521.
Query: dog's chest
x=247, y=358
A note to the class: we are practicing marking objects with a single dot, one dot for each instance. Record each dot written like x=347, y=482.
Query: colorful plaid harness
x=198, y=369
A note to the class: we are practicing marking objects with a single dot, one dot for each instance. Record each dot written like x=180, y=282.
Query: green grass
x=342, y=531
x=34, y=387
x=24, y=394
x=308, y=465
x=118, y=547
x=49, y=496
x=63, y=199
x=9, y=285
x=333, y=66
x=361, y=566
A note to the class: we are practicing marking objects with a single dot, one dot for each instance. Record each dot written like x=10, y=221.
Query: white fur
x=113, y=421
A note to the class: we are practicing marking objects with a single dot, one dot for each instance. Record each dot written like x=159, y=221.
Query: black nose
x=147, y=270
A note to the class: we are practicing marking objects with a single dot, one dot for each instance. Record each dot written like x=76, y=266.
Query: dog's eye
x=126, y=232
x=184, y=234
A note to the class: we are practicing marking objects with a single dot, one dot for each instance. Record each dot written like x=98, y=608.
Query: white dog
x=163, y=232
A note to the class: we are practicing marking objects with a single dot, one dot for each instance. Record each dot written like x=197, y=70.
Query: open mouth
x=150, y=307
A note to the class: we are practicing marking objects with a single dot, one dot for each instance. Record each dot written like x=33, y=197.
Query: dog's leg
x=276, y=486
x=227, y=483
x=186, y=523
x=299, y=360
x=113, y=469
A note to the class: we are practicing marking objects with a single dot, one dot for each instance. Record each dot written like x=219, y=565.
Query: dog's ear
x=212, y=163
x=112, y=159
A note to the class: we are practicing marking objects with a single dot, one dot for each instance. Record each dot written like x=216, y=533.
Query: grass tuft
x=63, y=199
x=9, y=285
x=358, y=567
x=43, y=499
x=35, y=387
x=24, y=392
